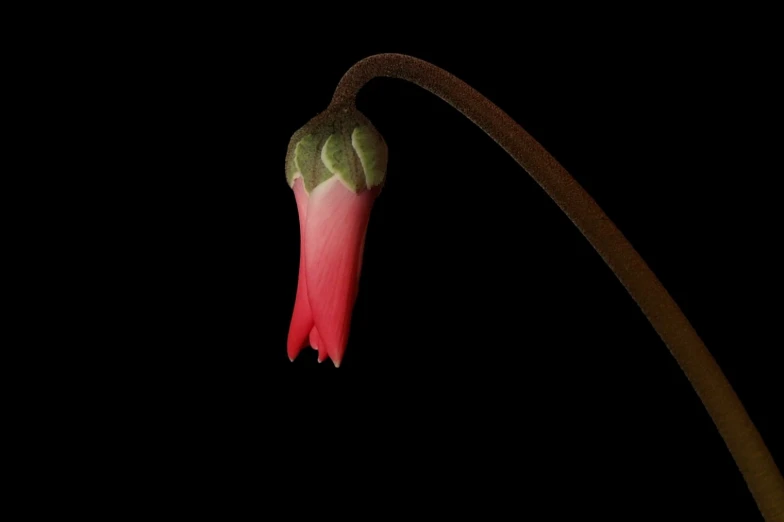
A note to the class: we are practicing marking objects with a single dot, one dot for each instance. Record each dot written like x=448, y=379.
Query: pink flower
x=336, y=167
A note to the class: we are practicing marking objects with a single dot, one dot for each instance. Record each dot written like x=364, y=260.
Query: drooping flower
x=336, y=166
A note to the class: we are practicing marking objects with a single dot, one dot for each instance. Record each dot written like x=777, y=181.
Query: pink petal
x=334, y=237
x=315, y=342
x=302, y=318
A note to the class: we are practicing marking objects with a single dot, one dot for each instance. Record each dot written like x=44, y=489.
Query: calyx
x=340, y=142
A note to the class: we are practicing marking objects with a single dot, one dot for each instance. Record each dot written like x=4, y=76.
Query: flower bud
x=336, y=166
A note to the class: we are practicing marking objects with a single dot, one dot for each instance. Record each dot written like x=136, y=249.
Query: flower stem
x=725, y=408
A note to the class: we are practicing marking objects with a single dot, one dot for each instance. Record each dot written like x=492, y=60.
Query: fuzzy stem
x=725, y=408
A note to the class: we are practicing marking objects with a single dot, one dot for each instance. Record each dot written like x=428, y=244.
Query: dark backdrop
x=495, y=363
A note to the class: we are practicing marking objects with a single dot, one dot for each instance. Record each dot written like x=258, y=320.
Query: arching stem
x=739, y=433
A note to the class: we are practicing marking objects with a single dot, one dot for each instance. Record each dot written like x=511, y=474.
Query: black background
x=495, y=363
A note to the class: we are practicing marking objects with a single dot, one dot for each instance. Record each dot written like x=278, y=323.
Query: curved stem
x=739, y=433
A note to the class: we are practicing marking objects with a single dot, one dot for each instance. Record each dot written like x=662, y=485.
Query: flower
x=336, y=166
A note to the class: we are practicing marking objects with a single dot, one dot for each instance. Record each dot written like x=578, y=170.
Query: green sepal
x=372, y=153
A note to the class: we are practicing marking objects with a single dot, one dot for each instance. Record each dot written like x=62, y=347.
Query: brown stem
x=739, y=433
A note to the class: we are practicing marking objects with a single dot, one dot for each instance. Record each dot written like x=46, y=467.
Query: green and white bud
x=338, y=142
